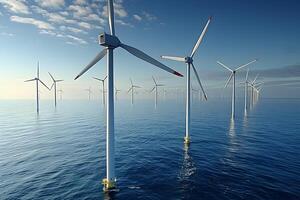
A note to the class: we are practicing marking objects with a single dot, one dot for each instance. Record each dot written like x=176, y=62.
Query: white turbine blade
x=136, y=86
x=205, y=96
x=200, y=37
x=104, y=78
x=247, y=76
x=175, y=58
x=129, y=89
x=111, y=20
x=98, y=79
x=131, y=82
x=246, y=65
x=59, y=80
x=30, y=80
x=94, y=61
x=152, y=89
x=160, y=85
x=255, y=78
x=44, y=84
x=154, y=80
x=51, y=77
x=230, y=77
x=148, y=59
x=52, y=86
x=224, y=66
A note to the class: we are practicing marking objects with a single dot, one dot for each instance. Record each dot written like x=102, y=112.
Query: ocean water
x=60, y=153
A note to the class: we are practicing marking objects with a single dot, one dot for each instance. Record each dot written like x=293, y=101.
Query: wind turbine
x=103, y=91
x=232, y=75
x=189, y=62
x=60, y=93
x=54, y=84
x=89, y=91
x=116, y=92
x=132, y=90
x=37, y=81
x=156, y=89
x=110, y=42
x=246, y=91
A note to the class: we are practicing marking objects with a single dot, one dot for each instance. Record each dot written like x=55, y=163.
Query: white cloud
x=15, y=6
x=1, y=13
x=80, y=2
x=47, y=32
x=51, y=3
x=118, y=9
x=37, y=23
x=79, y=11
x=76, y=39
x=72, y=29
x=85, y=25
x=7, y=34
x=64, y=13
x=149, y=16
x=137, y=17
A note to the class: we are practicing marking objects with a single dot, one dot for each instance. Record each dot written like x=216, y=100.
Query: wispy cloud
x=7, y=34
x=35, y=22
x=51, y=3
x=137, y=17
x=16, y=6
x=282, y=72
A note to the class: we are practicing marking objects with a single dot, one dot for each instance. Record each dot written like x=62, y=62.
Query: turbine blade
x=94, y=61
x=205, y=96
x=247, y=75
x=227, y=82
x=98, y=79
x=224, y=66
x=148, y=59
x=51, y=77
x=44, y=84
x=59, y=80
x=52, y=86
x=111, y=20
x=200, y=38
x=246, y=65
x=105, y=78
x=154, y=80
x=30, y=80
x=160, y=85
x=175, y=58
x=129, y=89
x=255, y=78
x=131, y=82
x=152, y=89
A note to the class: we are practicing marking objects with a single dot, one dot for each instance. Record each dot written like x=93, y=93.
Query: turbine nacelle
x=108, y=40
x=188, y=59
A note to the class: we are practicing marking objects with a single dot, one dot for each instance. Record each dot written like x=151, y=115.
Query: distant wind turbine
x=155, y=88
x=110, y=42
x=132, y=90
x=116, y=92
x=232, y=75
x=89, y=92
x=37, y=81
x=54, y=84
x=189, y=62
x=103, y=90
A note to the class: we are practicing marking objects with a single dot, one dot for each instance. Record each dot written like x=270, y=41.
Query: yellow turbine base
x=108, y=185
x=187, y=140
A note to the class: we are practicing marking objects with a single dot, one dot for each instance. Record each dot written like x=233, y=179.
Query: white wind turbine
x=132, y=90
x=189, y=62
x=54, y=84
x=110, y=42
x=246, y=91
x=89, y=92
x=156, y=89
x=103, y=91
x=37, y=80
x=232, y=75
x=116, y=92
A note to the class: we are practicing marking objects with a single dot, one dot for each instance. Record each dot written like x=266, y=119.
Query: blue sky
x=62, y=35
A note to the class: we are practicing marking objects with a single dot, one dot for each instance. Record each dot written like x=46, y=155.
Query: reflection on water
x=188, y=169
x=232, y=128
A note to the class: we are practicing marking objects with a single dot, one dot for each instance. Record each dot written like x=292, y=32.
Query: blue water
x=60, y=153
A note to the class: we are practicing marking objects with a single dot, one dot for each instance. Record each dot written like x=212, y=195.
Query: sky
x=62, y=36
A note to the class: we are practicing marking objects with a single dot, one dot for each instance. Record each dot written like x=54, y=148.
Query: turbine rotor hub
x=109, y=41
x=188, y=59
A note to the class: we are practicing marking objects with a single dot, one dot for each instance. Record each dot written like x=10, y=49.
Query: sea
x=60, y=152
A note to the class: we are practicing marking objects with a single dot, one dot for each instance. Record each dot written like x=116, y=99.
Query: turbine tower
x=89, y=92
x=116, y=92
x=189, y=63
x=54, y=84
x=103, y=91
x=246, y=91
x=37, y=81
x=156, y=90
x=232, y=75
x=132, y=90
x=110, y=42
